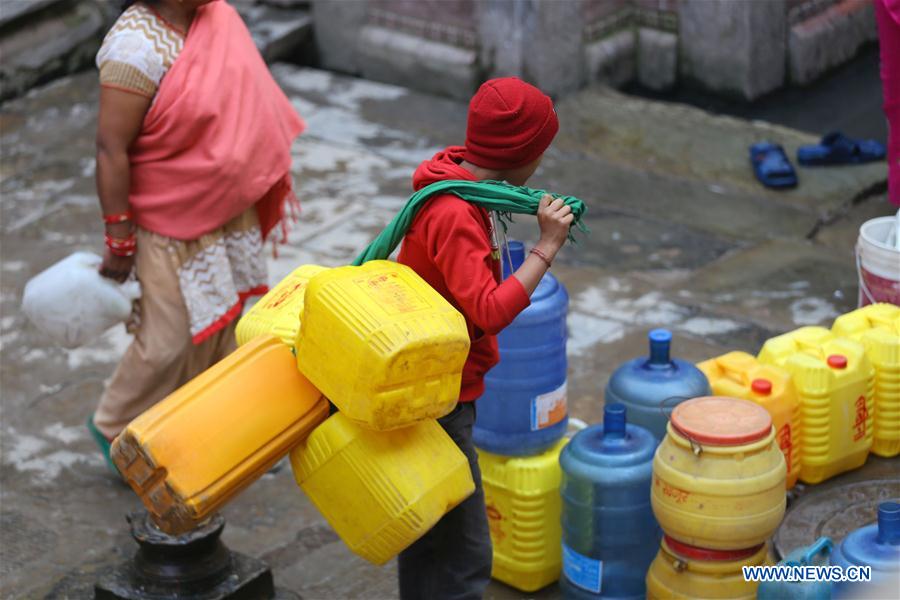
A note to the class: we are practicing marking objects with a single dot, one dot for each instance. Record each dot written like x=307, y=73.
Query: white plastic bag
x=72, y=303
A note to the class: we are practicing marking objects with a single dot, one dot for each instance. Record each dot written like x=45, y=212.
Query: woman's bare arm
x=118, y=125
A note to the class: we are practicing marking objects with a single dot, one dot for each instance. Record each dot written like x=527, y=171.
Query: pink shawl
x=217, y=139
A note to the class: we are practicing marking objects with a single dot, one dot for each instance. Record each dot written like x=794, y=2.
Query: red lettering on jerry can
x=862, y=415
x=784, y=442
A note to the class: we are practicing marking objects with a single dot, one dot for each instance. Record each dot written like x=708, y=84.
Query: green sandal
x=103, y=443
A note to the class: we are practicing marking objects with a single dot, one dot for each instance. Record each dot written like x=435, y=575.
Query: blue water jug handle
x=889, y=523
x=660, y=343
x=822, y=546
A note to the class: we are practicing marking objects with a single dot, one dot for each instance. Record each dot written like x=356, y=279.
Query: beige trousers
x=162, y=357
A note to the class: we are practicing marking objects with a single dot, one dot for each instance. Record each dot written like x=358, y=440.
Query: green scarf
x=498, y=196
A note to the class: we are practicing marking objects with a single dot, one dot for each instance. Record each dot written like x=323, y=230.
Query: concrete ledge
x=657, y=58
x=280, y=34
x=829, y=39
x=57, y=43
x=611, y=60
x=403, y=59
x=13, y=10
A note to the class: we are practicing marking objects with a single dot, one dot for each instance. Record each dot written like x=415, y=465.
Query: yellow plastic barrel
x=278, y=312
x=211, y=438
x=682, y=572
x=382, y=345
x=835, y=385
x=718, y=476
x=741, y=375
x=877, y=328
x=381, y=491
x=523, y=506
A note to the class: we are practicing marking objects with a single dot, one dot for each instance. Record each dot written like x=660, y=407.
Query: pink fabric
x=217, y=139
x=888, y=16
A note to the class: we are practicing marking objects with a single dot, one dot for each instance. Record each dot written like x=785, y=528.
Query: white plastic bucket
x=878, y=262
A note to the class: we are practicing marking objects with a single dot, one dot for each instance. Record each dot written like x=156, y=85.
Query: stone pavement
x=681, y=237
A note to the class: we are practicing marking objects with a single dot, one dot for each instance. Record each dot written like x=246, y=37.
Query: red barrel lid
x=721, y=421
x=837, y=361
x=761, y=386
x=687, y=551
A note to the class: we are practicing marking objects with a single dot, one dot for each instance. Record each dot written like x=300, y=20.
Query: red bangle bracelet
x=119, y=218
x=122, y=246
x=541, y=256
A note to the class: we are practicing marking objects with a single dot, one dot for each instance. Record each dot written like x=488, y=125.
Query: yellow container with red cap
x=741, y=375
x=683, y=572
x=835, y=383
x=718, y=475
x=877, y=328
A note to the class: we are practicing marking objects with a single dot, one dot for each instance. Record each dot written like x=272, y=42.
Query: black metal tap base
x=194, y=565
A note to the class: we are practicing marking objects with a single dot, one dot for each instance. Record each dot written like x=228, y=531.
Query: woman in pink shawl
x=193, y=173
x=888, y=15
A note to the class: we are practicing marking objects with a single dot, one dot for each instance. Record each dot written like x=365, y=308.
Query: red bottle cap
x=763, y=387
x=837, y=361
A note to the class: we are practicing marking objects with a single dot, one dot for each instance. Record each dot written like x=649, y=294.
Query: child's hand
x=554, y=218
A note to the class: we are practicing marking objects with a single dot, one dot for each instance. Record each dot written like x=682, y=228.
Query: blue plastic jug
x=610, y=536
x=650, y=387
x=817, y=554
x=523, y=408
x=878, y=546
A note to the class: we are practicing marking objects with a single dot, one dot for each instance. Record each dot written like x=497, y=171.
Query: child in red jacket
x=453, y=246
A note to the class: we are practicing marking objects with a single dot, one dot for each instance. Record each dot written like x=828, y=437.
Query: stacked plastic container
x=651, y=386
x=387, y=350
x=877, y=328
x=834, y=381
x=718, y=494
x=609, y=532
x=519, y=433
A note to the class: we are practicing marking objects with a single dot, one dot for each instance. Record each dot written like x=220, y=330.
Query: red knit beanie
x=511, y=123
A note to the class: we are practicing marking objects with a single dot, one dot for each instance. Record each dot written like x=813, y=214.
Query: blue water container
x=523, y=408
x=610, y=535
x=816, y=555
x=878, y=546
x=651, y=386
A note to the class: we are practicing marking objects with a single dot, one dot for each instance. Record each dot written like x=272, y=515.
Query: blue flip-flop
x=771, y=165
x=838, y=149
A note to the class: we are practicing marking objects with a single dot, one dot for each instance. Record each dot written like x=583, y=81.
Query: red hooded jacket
x=449, y=246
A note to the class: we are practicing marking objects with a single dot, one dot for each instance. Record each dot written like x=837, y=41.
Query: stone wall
x=739, y=48
x=44, y=39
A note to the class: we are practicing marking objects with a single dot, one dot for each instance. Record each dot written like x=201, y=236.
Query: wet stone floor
x=681, y=237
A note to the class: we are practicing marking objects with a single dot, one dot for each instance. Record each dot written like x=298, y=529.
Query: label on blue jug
x=583, y=571
x=548, y=409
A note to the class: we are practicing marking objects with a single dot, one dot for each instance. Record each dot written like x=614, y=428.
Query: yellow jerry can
x=523, y=506
x=877, y=328
x=278, y=312
x=835, y=385
x=381, y=491
x=382, y=345
x=211, y=438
